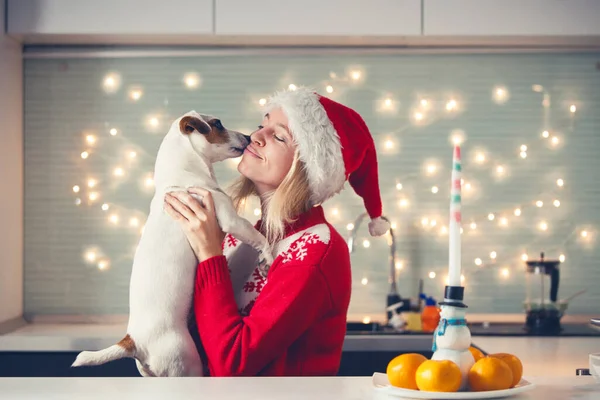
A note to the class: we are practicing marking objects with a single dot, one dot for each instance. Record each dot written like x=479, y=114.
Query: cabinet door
x=318, y=17
x=511, y=17
x=109, y=17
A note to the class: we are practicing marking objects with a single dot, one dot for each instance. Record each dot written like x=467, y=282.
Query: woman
x=301, y=155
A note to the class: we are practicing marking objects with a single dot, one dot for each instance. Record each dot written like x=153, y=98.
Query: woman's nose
x=258, y=138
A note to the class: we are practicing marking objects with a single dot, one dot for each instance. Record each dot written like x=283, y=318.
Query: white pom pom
x=378, y=226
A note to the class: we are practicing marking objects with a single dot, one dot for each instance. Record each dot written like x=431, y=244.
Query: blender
x=542, y=310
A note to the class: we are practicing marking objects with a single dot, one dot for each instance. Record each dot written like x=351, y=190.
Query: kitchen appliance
x=543, y=311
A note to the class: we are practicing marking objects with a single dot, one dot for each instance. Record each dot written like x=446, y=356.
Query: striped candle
x=455, y=218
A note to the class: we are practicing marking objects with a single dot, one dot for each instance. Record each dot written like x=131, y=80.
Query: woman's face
x=269, y=156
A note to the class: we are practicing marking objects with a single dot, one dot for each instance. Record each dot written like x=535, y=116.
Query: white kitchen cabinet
x=511, y=17
x=318, y=17
x=109, y=17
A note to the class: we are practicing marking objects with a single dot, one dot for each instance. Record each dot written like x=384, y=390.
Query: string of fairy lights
x=425, y=110
x=500, y=95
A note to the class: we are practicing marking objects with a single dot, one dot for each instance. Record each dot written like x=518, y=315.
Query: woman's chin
x=245, y=168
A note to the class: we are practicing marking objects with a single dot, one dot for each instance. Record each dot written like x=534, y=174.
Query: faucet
x=393, y=296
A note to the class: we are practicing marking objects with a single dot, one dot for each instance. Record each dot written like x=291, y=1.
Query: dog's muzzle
x=241, y=149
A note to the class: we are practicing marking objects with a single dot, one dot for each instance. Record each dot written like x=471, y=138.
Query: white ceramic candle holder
x=452, y=337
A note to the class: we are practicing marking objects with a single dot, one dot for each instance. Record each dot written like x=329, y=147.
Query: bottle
x=430, y=316
x=413, y=321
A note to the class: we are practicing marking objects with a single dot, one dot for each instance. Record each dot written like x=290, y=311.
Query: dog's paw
x=265, y=260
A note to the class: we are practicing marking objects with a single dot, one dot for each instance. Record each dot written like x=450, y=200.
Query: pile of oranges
x=492, y=372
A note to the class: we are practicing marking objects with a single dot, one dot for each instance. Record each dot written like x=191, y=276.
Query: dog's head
x=209, y=138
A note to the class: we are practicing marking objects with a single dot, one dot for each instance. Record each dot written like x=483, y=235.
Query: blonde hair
x=281, y=206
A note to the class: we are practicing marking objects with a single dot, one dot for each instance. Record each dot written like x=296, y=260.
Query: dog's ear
x=189, y=124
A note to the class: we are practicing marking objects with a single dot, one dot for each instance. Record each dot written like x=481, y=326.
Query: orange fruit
x=401, y=370
x=477, y=354
x=439, y=376
x=490, y=373
x=514, y=363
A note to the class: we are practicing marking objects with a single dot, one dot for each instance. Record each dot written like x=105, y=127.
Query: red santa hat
x=335, y=145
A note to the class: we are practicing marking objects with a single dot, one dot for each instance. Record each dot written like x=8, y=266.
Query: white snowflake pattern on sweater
x=290, y=248
x=299, y=249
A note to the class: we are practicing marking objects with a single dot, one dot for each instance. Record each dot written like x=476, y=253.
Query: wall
x=78, y=253
x=65, y=103
x=11, y=176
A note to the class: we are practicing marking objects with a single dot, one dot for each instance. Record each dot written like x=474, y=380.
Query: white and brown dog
x=164, y=265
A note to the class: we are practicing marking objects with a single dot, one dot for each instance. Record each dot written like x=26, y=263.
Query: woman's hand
x=198, y=220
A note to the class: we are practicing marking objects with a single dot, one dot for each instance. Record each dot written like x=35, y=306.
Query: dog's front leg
x=243, y=230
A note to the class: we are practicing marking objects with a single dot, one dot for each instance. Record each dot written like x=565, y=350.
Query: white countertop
x=291, y=388
x=541, y=356
x=90, y=336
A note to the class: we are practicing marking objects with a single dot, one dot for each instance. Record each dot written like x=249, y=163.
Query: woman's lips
x=251, y=151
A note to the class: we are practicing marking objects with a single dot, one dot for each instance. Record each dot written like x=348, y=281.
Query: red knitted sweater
x=292, y=324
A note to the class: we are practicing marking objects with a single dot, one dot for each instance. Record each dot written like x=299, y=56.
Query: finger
x=173, y=213
x=198, y=190
x=180, y=207
x=207, y=199
x=194, y=204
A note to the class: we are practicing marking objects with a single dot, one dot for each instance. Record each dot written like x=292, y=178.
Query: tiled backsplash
x=93, y=125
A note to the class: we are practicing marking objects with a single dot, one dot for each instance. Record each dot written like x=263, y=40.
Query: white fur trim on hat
x=318, y=142
x=378, y=226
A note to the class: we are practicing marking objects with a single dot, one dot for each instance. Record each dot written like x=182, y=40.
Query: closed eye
x=278, y=138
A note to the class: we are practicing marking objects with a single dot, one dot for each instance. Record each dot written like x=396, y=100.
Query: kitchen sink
x=361, y=327
x=376, y=328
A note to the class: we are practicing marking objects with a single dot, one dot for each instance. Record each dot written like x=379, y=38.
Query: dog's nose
x=248, y=138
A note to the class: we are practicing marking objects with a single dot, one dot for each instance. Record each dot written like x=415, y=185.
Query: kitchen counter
x=541, y=356
x=48, y=349
x=53, y=336
x=78, y=337
x=340, y=388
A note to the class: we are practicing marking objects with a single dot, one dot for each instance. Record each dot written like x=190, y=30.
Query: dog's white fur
x=164, y=266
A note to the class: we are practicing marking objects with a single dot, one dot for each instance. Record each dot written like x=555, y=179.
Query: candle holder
x=452, y=337
x=453, y=296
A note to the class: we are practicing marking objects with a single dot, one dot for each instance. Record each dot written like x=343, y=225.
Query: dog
x=164, y=264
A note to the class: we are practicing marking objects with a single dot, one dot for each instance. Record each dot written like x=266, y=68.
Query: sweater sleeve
x=295, y=296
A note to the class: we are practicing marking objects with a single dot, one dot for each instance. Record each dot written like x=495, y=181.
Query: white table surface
x=545, y=356
x=564, y=388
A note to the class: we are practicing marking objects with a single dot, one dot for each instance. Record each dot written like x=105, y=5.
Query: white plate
x=381, y=383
